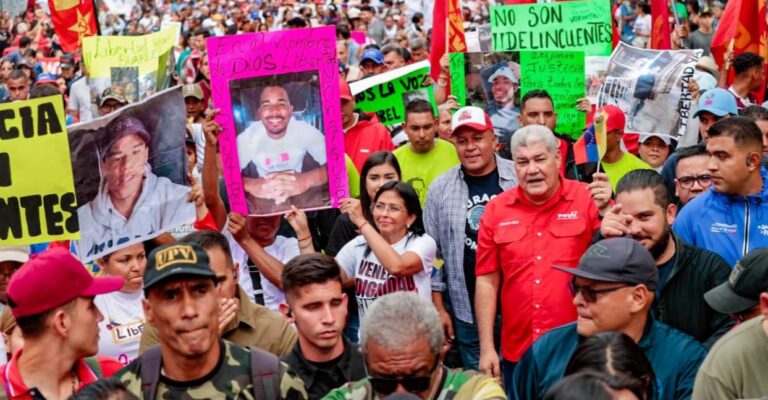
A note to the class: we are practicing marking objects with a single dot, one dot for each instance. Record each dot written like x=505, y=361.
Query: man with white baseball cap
x=503, y=111
x=11, y=259
x=455, y=202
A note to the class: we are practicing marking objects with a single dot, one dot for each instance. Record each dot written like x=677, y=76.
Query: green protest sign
x=561, y=73
x=458, y=86
x=570, y=25
x=387, y=94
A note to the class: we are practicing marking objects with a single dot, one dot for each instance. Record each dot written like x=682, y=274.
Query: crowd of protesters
x=466, y=265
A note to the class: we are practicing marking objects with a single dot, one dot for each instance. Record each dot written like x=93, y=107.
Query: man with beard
x=644, y=212
x=504, y=113
x=272, y=150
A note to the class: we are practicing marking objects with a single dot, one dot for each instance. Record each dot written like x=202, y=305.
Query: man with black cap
x=132, y=201
x=51, y=297
x=613, y=289
x=735, y=367
x=182, y=303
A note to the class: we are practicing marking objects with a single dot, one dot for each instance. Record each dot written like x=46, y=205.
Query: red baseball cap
x=616, y=119
x=344, y=92
x=51, y=279
x=471, y=117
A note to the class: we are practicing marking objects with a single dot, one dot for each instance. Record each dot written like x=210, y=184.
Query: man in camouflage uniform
x=181, y=302
x=402, y=339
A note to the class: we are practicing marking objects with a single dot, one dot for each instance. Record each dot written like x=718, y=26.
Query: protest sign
x=37, y=194
x=570, y=25
x=136, y=66
x=130, y=170
x=358, y=37
x=561, y=74
x=484, y=36
x=387, y=94
x=489, y=81
x=651, y=87
x=282, y=142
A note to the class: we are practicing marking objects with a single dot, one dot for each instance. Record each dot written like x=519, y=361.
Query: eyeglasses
x=413, y=384
x=686, y=182
x=382, y=208
x=589, y=294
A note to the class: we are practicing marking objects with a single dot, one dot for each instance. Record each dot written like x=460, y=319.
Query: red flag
x=660, y=34
x=447, y=35
x=439, y=35
x=456, y=41
x=73, y=20
x=742, y=25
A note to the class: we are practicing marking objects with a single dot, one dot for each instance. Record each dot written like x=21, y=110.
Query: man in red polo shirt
x=363, y=133
x=51, y=296
x=546, y=220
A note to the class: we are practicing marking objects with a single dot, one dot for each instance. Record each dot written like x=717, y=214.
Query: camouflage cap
x=111, y=93
x=175, y=260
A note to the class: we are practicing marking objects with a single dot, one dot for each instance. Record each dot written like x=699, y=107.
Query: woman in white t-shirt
x=395, y=255
x=642, y=27
x=120, y=331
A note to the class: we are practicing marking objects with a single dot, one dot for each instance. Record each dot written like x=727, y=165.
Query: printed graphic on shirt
x=763, y=229
x=373, y=280
x=475, y=208
x=719, y=227
x=122, y=333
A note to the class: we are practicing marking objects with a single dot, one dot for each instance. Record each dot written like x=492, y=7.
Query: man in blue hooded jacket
x=731, y=219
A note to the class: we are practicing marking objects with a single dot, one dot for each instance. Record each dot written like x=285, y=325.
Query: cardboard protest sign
x=37, y=194
x=490, y=81
x=387, y=94
x=282, y=143
x=130, y=170
x=651, y=87
x=561, y=74
x=137, y=66
x=570, y=25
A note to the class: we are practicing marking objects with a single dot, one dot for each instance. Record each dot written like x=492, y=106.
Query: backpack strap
x=150, y=372
x=265, y=375
x=95, y=366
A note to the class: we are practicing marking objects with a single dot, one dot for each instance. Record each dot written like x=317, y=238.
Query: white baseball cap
x=503, y=71
x=665, y=138
x=471, y=117
x=18, y=254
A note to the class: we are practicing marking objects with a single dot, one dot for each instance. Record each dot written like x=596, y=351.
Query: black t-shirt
x=481, y=189
x=665, y=270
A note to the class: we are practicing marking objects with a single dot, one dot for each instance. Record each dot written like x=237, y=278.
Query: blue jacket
x=728, y=225
x=674, y=356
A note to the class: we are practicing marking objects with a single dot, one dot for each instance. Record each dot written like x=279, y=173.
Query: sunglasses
x=413, y=384
x=590, y=295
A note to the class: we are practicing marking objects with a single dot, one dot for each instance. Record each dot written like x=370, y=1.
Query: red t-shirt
x=523, y=241
x=15, y=388
x=365, y=138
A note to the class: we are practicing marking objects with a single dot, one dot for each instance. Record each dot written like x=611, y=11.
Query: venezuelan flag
x=591, y=146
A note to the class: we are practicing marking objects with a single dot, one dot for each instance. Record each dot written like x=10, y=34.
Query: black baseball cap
x=619, y=259
x=175, y=260
x=748, y=279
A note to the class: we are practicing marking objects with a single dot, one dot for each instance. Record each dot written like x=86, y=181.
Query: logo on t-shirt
x=719, y=227
x=373, y=280
x=122, y=333
x=571, y=216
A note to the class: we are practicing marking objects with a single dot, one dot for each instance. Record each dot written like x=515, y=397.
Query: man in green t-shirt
x=616, y=163
x=424, y=157
x=401, y=338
